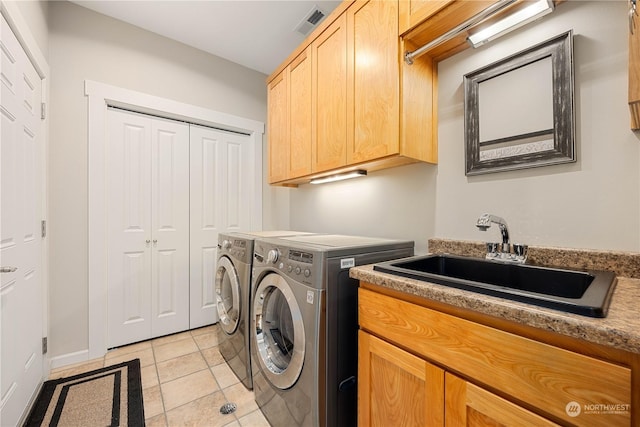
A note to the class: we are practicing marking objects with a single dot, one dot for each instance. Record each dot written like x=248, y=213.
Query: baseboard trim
x=69, y=359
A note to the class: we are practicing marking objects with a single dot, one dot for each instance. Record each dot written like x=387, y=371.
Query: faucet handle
x=506, y=252
x=492, y=248
x=520, y=250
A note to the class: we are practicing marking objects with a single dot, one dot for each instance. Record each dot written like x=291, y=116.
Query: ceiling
x=259, y=34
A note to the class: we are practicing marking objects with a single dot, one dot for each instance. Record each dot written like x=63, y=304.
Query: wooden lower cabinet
x=468, y=405
x=396, y=387
x=422, y=367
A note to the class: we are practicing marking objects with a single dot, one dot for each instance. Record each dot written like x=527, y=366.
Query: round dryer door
x=279, y=331
x=228, y=295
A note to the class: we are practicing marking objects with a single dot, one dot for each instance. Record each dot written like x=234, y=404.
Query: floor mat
x=110, y=396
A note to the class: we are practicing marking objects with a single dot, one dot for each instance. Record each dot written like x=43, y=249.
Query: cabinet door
x=396, y=387
x=373, y=84
x=300, y=115
x=471, y=406
x=412, y=12
x=278, y=128
x=329, y=94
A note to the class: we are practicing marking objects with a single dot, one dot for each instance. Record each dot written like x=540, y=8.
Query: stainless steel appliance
x=304, y=325
x=232, y=294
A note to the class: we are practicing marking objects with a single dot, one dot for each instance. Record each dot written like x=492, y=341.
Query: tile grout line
x=155, y=365
x=202, y=346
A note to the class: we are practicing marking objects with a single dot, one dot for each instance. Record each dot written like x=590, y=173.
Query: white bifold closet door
x=148, y=227
x=222, y=175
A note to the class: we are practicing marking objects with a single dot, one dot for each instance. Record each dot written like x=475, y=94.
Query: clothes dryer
x=232, y=294
x=304, y=325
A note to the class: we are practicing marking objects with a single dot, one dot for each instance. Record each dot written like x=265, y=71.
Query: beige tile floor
x=185, y=381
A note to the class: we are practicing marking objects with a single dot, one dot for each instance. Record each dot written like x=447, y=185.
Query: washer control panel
x=298, y=264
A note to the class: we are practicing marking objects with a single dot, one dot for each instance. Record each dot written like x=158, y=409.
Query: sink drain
x=228, y=408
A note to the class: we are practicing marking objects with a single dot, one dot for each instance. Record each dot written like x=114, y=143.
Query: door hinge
x=43, y=110
x=43, y=228
x=44, y=345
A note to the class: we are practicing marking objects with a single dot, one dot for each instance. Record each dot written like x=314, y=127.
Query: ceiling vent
x=310, y=21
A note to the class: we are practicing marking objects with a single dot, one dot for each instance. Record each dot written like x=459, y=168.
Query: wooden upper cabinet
x=413, y=12
x=278, y=128
x=345, y=88
x=300, y=115
x=329, y=95
x=373, y=80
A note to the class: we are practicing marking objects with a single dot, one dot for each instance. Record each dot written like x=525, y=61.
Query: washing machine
x=232, y=295
x=304, y=325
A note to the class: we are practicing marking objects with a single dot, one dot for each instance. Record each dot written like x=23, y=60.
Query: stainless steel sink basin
x=582, y=292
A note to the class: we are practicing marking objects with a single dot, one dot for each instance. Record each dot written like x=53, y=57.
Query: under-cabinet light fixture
x=511, y=22
x=339, y=177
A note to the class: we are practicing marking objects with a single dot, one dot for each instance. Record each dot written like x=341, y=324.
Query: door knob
x=8, y=269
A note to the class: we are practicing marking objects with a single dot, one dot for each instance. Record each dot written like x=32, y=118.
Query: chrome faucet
x=506, y=251
x=485, y=221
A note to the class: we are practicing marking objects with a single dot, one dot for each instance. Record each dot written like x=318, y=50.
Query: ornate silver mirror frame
x=519, y=111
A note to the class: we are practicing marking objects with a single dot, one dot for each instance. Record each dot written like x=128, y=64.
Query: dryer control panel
x=239, y=249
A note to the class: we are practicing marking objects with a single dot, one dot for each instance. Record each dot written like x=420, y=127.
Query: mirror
x=519, y=111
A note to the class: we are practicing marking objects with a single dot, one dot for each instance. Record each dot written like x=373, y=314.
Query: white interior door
x=148, y=227
x=21, y=290
x=128, y=228
x=222, y=174
x=170, y=226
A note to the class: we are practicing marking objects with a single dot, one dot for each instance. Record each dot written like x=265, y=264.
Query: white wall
x=87, y=45
x=36, y=13
x=590, y=204
x=594, y=203
x=392, y=203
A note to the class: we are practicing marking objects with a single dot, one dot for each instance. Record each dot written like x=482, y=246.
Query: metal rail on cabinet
x=476, y=19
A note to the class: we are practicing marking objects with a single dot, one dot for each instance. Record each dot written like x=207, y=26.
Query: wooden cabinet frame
x=537, y=371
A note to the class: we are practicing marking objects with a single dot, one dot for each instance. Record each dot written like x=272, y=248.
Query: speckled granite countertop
x=620, y=329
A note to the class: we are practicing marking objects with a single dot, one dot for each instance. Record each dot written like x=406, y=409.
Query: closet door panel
x=205, y=224
x=170, y=224
x=221, y=191
x=129, y=228
x=233, y=191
